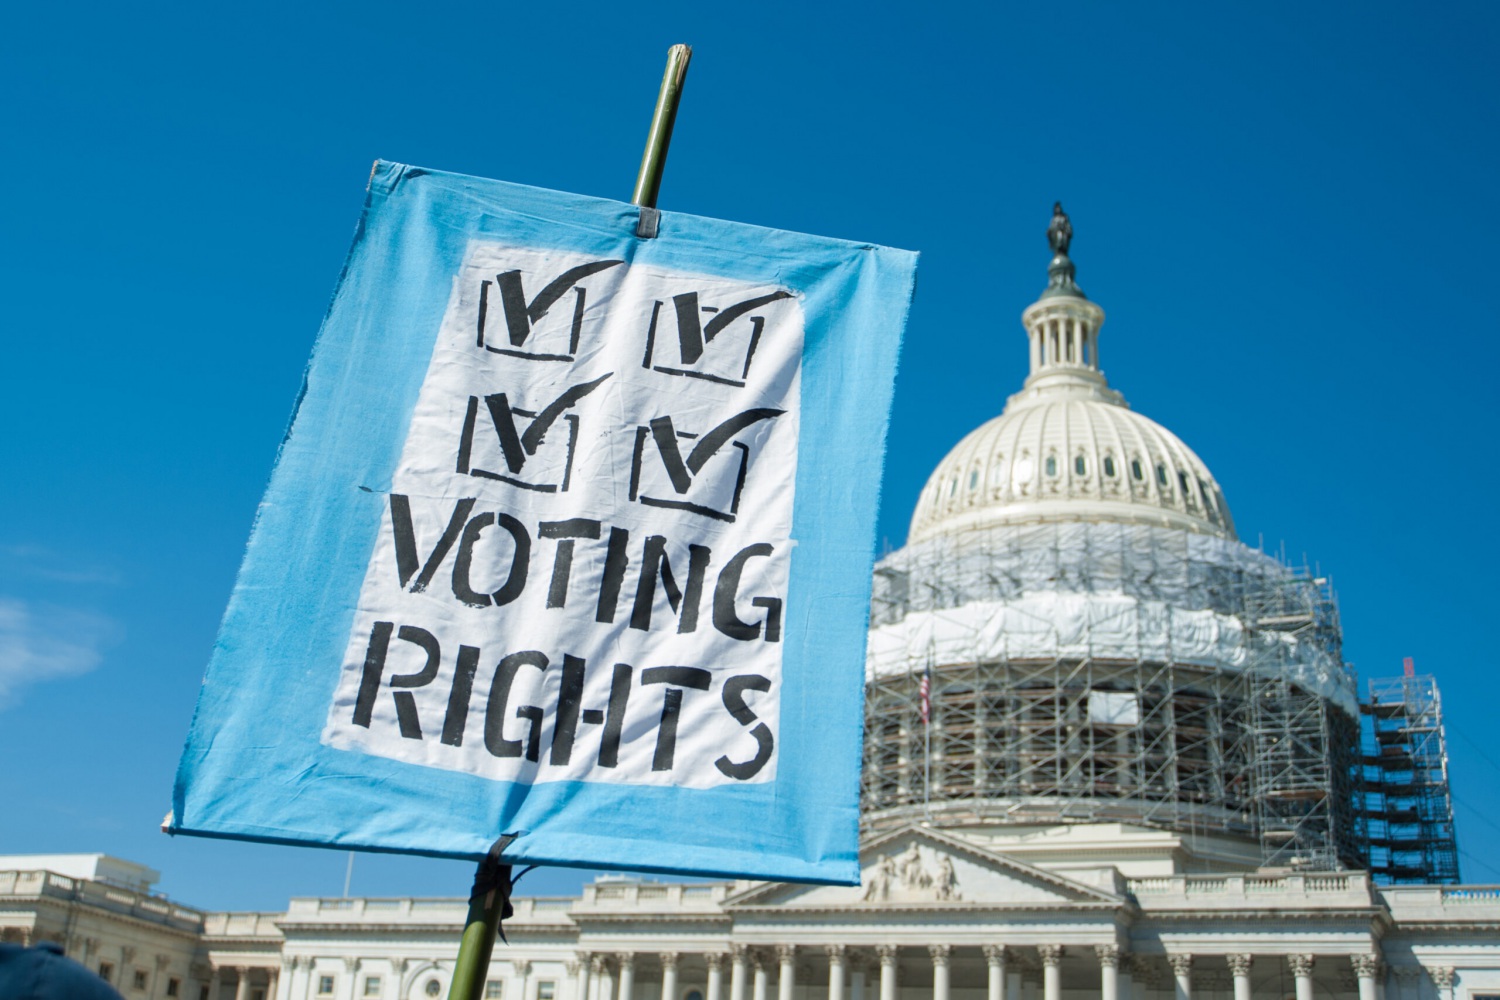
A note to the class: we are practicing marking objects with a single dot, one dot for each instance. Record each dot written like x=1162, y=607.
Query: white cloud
x=48, y=564
x=41, y=642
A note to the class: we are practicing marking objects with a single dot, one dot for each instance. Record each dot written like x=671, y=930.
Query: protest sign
x=570, y=536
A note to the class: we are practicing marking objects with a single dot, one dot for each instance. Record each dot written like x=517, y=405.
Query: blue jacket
x=42, y=973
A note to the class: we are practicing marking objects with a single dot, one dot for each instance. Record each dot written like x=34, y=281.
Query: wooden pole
x=654, y=159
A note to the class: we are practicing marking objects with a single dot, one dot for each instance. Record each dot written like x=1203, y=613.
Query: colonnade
x=874, y=972
x=1122, y=976
x=242, y=980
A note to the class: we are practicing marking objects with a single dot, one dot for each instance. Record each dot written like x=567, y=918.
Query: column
x=579, y=969
x=994, y=960
x=786, y=975
x=1364, y=971
x=1239, y=967
x=627, y=975
x=1442, y=978
x=738, y=955
x=857, y=965
x=669, y=975
x=887, y=953
x=273, y=976
x=1182, y=975
x=836, y=971
x=758, y=962
x=1302, y=966
x=714, y=988
x=301, y=980
x=241, y=986
x=346, y=984
x=523, y=969
x=604, y=978
x=1408, y=982
x=1051, y=971
x=289, y=963
x=939, y=953
x=1109, y=971
x=162, y=961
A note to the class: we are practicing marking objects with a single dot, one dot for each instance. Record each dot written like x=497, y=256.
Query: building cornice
x=1059, y=909
x=63, y=906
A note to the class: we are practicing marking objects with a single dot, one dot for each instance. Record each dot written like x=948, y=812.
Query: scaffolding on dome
x=1091, y=672
x=1408, y=806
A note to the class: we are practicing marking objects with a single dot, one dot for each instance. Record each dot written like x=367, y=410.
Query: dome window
x=1109, y=466
x=1023, y=469
x=1136, y=470
x=1080, y=466
x=1051, y=465
x=1208, y=501
x=1187, y=491
x=973, y=479
x=1161, y=473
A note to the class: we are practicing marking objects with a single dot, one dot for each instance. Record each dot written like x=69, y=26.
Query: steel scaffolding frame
x=1305, y=758
x=1408, y=805
x=1246, y=750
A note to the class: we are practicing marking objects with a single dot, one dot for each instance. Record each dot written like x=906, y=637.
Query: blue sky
x=1287, y=211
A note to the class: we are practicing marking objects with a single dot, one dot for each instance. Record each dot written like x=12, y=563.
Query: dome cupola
x=1067, y=447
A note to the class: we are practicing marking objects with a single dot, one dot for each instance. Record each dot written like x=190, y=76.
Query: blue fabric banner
x=571, y=535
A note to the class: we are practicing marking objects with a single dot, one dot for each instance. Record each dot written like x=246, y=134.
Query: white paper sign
x=583, y=563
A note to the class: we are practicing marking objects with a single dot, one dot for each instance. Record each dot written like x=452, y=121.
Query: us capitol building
x=1110, y=752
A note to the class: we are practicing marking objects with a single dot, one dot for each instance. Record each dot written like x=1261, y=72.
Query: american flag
x=924, y=691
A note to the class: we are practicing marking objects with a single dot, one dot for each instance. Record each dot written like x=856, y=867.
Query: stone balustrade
x=1249, y=891
x=1418, y=904
x=116, y=899
x=633, y=896
x=415, y=910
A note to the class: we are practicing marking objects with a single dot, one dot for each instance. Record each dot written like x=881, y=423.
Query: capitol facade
x=1110, y=752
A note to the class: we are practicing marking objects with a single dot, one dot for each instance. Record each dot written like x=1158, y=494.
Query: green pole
x=487, y=908
x=654, y=160
x=474, y=948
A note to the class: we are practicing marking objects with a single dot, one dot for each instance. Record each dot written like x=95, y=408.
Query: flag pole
x=490, y=896
x=472, y=966
x=489, y=905
x=927, y=732
x=654, y=159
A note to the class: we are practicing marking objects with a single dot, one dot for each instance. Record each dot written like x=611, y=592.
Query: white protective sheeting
x=1120, y=708
x=1115, y=591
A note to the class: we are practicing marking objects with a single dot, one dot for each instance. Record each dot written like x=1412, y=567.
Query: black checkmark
x=516, y=445
x=520, y=314
x=681, y=472
x=692, y=334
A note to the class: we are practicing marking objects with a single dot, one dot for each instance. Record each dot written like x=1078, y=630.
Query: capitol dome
x=1073, y=633
x=1067, y=447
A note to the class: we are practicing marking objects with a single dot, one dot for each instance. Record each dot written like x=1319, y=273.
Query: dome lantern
x=1063, y=327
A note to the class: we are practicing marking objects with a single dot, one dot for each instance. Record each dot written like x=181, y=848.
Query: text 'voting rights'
x=584, y=463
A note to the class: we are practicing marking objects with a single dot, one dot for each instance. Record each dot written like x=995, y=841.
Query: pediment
x=917, y=866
